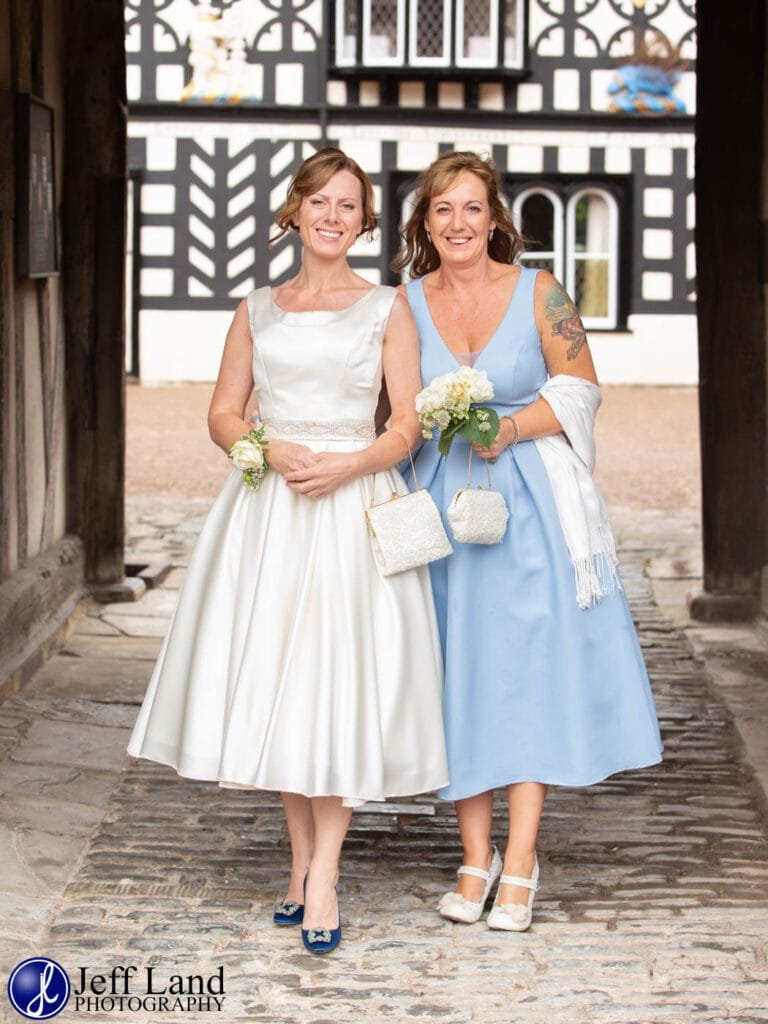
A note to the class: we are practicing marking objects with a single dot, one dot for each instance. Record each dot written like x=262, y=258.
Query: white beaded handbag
x=477, y=516
x=406, y=530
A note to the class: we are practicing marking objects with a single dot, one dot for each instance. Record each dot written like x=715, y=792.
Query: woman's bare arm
x=233, y=384
x=565, y=350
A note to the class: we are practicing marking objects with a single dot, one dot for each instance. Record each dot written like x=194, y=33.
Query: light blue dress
x=536, y=688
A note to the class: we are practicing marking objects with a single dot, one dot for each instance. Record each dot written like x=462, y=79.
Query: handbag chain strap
x=469, y=471
x=410, y=456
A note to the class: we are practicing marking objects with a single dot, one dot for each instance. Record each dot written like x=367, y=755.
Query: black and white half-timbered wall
x=585, y=105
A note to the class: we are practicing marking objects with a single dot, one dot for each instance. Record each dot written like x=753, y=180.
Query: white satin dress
x=291, y=663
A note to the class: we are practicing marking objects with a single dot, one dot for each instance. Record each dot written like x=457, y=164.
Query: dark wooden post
x=95, y=176
x=731, y=313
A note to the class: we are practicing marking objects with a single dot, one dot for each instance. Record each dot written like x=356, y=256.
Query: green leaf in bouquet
x=471, y=428
x=447, y=436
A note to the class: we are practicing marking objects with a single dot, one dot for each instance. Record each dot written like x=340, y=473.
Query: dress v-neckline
x=478, y=353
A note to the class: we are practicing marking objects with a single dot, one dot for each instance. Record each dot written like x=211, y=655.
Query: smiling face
x=459, y=221
x=330, y=219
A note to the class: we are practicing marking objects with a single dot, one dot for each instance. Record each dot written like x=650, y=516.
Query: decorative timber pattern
x=571, y=51
x=208, y=188
x=282, y=41
x=207, y=212
x=573, y=48
x=207, y=220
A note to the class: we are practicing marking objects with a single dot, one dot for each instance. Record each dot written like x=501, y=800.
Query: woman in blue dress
x=542, y=686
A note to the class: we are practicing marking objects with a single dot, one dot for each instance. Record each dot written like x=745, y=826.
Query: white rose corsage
x=248, y=455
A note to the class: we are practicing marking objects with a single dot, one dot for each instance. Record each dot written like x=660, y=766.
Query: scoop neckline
x=299, y=312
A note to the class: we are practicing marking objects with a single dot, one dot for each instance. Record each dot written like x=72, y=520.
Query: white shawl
x=569, y=459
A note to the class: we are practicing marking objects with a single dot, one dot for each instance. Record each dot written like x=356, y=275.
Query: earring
x=490, y=234
x=429, y=237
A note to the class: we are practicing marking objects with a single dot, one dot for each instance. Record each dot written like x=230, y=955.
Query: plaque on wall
x=36, y=190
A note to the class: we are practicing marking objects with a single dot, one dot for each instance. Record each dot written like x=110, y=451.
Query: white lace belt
x=326, y=430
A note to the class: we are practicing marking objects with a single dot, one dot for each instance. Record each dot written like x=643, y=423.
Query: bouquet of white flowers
x=448, y=403
x=247, y=455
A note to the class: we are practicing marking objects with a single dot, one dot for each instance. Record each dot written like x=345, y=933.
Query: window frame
x=338, y=34
x=558, y=254
x=617, y=189
x=467, y=63
x=365, y=23
x=612, y=256
x=414, y=60
x=407, y=65
x=518, y=64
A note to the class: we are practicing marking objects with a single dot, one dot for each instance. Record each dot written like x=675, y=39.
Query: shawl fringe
x=569, y=461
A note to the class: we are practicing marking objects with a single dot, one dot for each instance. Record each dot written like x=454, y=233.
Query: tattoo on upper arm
x=566, y=322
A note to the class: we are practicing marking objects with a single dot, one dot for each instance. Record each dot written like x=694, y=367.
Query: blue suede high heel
x=289, y=912
x=321, y=940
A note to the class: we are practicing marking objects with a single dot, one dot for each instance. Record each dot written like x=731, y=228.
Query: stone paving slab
x=138, y=625
x=653, y=901
x=107, y=648
x=160, y=602
x=122, y=680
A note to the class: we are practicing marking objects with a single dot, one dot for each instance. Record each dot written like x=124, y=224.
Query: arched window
x=591, y=275
x=538, y=214
x=578, y=243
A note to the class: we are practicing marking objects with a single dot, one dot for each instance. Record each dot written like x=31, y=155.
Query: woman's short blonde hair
x=417, y=252
x=315, y=172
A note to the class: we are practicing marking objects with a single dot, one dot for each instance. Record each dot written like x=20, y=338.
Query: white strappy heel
x=456, y=907
x=515, y=917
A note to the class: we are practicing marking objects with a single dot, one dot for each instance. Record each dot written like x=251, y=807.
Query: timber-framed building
x=607, y=197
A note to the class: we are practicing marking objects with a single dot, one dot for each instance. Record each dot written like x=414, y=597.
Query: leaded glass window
x=429, y=33
x=591, y=271
x=347, y=31
x=477, y=33
x=383, y=32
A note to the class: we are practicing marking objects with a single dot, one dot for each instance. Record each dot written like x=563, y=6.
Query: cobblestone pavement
x=653, y=901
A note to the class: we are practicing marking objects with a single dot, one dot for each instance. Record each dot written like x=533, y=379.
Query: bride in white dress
x=291, y=664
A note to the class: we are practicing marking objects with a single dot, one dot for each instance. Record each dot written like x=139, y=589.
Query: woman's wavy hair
x=311, y=176
x=417, y=252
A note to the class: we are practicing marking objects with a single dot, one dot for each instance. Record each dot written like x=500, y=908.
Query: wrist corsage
x=249, y=456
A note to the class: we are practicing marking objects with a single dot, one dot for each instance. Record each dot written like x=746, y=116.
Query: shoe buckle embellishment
x=288, y=907
x=319, y=935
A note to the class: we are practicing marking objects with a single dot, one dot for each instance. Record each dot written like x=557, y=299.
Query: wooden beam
x=20, y=460
x=7, y=329
x=731, y=314
x=35, y=603
x=52, y=366
x=95, y=174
